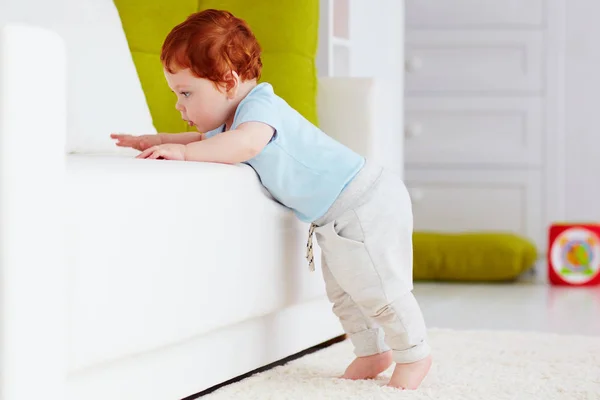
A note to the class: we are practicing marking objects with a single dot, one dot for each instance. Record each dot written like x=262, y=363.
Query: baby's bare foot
x=410, y=376
x=368, y=367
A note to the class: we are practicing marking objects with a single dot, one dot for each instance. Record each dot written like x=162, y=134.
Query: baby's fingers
x=146, y=153
x=127, y=143
x=156, y=155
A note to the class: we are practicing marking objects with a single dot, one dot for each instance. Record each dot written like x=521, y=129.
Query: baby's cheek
x=199, y=117
x=205, y=114
x=195, y=110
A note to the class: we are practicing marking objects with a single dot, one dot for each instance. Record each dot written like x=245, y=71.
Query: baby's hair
x=212, y=43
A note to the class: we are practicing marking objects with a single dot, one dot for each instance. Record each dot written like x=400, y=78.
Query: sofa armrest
x=33, y=306
x=364, y=114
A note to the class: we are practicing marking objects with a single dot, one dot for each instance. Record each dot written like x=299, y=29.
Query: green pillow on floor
x=471, y=256
x=286, y=30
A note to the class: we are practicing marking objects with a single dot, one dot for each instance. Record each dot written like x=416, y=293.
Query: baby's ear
x=232, y=83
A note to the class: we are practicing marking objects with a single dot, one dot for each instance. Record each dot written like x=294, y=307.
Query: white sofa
x=145, y=279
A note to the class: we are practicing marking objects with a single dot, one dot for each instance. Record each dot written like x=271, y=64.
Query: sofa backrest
x=104, y=94
x=286, y=30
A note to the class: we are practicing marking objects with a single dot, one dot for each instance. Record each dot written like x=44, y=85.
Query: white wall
x=378, y=51
x=358, y=40
x=582, y=111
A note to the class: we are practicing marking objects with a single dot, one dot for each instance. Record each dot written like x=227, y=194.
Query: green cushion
x=471, y=256
x=286, y=30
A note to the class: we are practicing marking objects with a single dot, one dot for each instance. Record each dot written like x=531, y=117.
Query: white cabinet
x=477, y=105
x=457, y=131
x=461, y=62
x=478, y=14
x=476, y=200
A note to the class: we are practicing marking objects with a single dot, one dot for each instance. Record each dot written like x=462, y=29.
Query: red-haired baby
x=360, y=212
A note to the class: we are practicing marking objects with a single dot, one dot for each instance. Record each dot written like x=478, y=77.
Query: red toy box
x=574, y=254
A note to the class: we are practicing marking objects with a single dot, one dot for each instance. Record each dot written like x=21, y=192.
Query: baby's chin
x=199, y=128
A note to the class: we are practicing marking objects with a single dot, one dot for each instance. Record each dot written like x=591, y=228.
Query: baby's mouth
x=190, y=123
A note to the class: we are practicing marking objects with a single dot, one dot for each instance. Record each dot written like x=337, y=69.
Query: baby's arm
x=144, y=142
x=180, y=138
x=232, y=147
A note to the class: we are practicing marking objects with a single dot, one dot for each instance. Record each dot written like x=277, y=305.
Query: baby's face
x=200, y=103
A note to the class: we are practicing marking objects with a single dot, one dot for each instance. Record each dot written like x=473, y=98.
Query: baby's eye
x=186, y=94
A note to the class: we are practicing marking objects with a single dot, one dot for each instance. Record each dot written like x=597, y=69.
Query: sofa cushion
x=471, y=256
x=286, y=30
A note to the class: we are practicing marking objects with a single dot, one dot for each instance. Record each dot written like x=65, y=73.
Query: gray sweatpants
x=366, y=243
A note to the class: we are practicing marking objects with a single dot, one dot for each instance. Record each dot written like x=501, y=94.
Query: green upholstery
x=471, y=256
x=286, y=30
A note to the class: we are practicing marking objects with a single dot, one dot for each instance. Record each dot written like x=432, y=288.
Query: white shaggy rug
x=467, y=365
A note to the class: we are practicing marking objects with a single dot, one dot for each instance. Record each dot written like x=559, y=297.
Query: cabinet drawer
x=461, y=62
x=459, y=201
x=450, y=14
x=476, y=131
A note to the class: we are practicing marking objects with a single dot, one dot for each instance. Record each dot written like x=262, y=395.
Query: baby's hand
x=169, y=151
x=140, y=143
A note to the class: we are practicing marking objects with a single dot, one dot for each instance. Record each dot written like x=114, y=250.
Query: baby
x=360, y=212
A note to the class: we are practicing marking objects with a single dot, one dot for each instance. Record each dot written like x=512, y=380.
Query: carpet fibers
x=467, y=365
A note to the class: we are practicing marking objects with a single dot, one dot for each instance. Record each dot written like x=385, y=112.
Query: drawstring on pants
x=309, y=248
